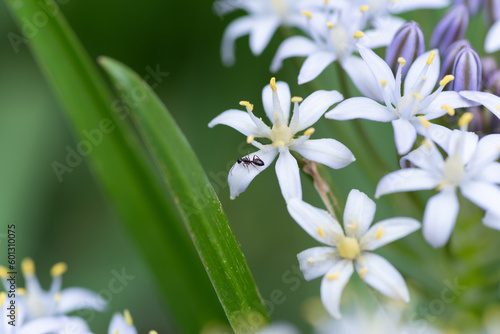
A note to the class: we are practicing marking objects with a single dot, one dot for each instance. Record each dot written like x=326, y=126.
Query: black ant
x=256, y=161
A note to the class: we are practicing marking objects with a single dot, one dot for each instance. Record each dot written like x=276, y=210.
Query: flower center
x=339, y=39
x=281, y=135
x=454, y=169
x=348, y=248
x=408, y=105
x=280, y=7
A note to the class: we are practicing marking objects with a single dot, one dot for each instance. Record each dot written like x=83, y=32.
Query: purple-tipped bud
x=492, y=11
x=451, y=28
x=450, y=55
x=490, y=66
x=467, y=70
x=493, y=83
x=478, y=122
x=409, y=43
x=472, y=5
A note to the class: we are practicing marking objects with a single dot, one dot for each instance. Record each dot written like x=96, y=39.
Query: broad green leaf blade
x=122, y=166
x=200, y=207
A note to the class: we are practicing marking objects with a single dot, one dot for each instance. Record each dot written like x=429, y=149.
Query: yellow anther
x=326, y=2
x=431, y=57
x=331, y=277
x=297, y=99
x=359, y=34
x=250, y=139
x=3, y=295
x=402, y=61
x=153, y=332
x=306, y=13
x=498, y=107
x=418, y=96
x=309, y=132
x=310, y=260
x=380, y=232
x=426, y=143
x=424, y=122
x=446, y=80
x=57, y=297
x=465, y=119
x=28, y=266
x=320, y=232
x=448, y=109
x=383, y=82
x=58, y=269
x=21, y=291
x=330, y=25
x=116, y=331
x=364, y=8
x=353, y=226
x=3, y=272
x=279, y=143
x=273, y=84
x=362, y=272
x=128, y=318
x=246, y=104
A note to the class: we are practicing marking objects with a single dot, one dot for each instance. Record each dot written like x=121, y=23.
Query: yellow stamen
x=326, y=2
x=3, y=295
x=3, y=272
x=320, y=232
x=28, y=266
x=448, y=109
x=359, y=34
x=57, y=297
x=330, y=25
x=309, y=132
x=498, y=107
x=383, y=82
x=418, y=96
x=431, y=57
x=21, y=291
x=353, y=226
x=310, y=260
x=402, y=61
x=362, y=272
x=250, y=139
x=58, y=269
x=116, y=332
x=446, y=80
x=153, y=332
x=424, y=122
x=273, y=84
x=306, y=13
x=297, y=99
x=380, y=232
x=279, y=143
x=348, y=248
x=426, y=143
x=331, y=277
x=247, y=104
x=128, y=318
x=465, y=119
x=364, y=8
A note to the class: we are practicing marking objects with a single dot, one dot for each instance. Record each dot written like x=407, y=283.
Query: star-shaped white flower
x=492, y=41
x=123, y=324
x=404, y=108
x=335, y=263
x=263, y=19
x=283, y=137
x=471, y=166
x=39, y=303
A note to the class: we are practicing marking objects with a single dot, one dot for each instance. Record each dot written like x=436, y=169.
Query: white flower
x=283, y=137
x=470, y=166
x=335, y=263
x=123, y=324
x=492, y=41
x=39, y=303
x=278, y=328
x=263, y=19
x=333, y=37
x=407, y=109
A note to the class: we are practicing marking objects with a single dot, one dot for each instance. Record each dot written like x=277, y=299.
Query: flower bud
x=491, y=11
x=493, y=83
x=494, y=124
x=409, y=43
x=490, y=66
x=472, y=5
x=478, y=122
x=450, y=55
x=451, y=28
x=467, y=70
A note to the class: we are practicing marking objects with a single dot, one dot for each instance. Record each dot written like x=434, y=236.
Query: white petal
x=492, y=221
x=358, y=213
x=401, y=6
x=329, y=152
x=315, y=262
x=43, y=325
x=296, y=46
x=237, y=28
x=426, y=157
x=490, y=101
x=73, y=299
x=407, y=179
x=487, y=151
x=435, y=132
x=361, y=107
x=331, y=289
x=314, y=106
x=74, y=325
x=288, y=174
x=118, y=324
x=379, y=68
x=415, y=74
x=238, y=120
x=387, y=231
x=262, y=32
x=386, y=27
x=466, y=142
x=314, y=65
x=318, y=223
x=278, y=328
x=283, y=91
x=490, y=173
x=484, y=195
x=492, y=41
x=382, y=276
x=440, y=216
x=452, y=99
x=357, y=70
x=404, y=135
x=241, y=175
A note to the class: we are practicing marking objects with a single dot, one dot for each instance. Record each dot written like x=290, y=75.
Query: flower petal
x=119, y=325
x=283, y=92
x=263, y=30
x=296, y=46
x=487, y=151
x=407, y=179
x=238, y=120
x=492, y=42
x=490, y=101
x=331, y=289
x=387, y=231
x=315, y=262
x=489, y=173
x=73, y=299
x=361, y=107
x=492, y=221
x=452, y=99
x=436, y=133
x=378, y=273
x=426, y=156
x=43, y=325
x=440, y=216
x=314, y=65
x=379, y=68
x=386, y=27
x=329, y=152
x=358, y=213
x=241, y=175
x=318, y=223
x=357, y=68
x=237, y=28
x=407, y=5
x=484, y=195
x=466, y=142
x=404, y=135
x=314, y=106
x=288, y=174
x=417, y=70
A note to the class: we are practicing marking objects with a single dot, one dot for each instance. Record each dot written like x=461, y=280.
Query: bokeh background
x=71, y=221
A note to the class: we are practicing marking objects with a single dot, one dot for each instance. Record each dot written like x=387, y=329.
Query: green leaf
x=121, y=164
x=200, y=207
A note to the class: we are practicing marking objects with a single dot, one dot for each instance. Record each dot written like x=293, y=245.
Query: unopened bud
x=489, y=66
x=451, y=28
x=493, y=83
x=450, y=55
x=473, y=6
x=467, y=70
x=477, y=124
x=491, y=11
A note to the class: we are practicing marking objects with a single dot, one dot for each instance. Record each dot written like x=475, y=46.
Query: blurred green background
x=71, y=221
